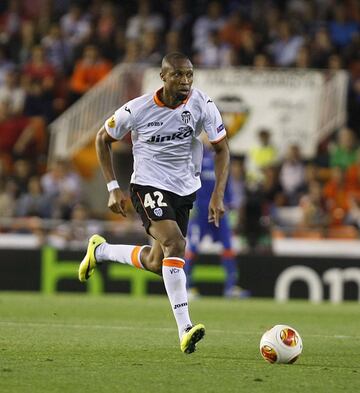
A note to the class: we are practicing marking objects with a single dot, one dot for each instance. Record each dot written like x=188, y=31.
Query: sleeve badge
x=111, y=122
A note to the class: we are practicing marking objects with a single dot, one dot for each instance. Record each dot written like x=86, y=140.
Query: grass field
x=79, y=343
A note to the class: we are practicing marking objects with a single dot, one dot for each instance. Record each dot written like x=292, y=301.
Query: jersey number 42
x=156, y=200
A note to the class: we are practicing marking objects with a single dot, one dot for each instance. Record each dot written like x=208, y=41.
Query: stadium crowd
x=52, y=52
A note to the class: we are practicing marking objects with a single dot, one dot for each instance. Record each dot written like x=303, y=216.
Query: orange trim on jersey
x=170, y=262
x=218, y=140
x=135, y=257
x=158, y=101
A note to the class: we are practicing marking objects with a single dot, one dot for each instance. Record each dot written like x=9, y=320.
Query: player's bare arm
x=103, y=143
x=222, y=164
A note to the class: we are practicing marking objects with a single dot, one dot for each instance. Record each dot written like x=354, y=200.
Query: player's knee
x=174, y=247
x=155, y=266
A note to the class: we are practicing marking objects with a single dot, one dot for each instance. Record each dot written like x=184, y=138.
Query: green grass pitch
x=116, y=343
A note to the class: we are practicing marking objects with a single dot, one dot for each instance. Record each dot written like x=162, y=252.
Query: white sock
x=121, y=253
x=175, y=285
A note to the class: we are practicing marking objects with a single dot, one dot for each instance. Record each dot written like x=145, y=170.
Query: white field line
x=164, y=329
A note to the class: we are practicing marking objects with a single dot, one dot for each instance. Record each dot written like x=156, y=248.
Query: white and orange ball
x=281, y=344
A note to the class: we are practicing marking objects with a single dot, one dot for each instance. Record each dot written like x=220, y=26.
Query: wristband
x=112, y=185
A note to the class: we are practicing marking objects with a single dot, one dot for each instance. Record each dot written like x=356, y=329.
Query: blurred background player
x=199, y=227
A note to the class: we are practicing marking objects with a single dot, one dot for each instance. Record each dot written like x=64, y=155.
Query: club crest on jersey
x=111, y=122
x=184, y=132
x=186, y=116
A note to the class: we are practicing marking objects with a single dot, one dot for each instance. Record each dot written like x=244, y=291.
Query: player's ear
x=162, y=76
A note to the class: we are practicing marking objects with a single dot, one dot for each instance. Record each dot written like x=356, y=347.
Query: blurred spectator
x=39, y=68
x=335, y=62
x=302, y=58
x=272, y=190
x=7, y=198
x=150, y=50
x=75, y=233
x=107, y=21
x=252, y=229
x=62, y=179
x=13, y=93
x=38, y=102
x=343, y=153
x=261, y=155
x=285, y=47
x=89, y=70
x=118, y=46
x=39, y=77
x=261, y=61
x=248, y=49
x=292, y=175
x=22, y=171
x=173, y=42
x=43, y=17
x=214, y=53
x=352, y=175
x=341, y=28
x=213, y=20
x=57, y=49
x=313, y=207
x=351, y=53
x=16, y=132
x=144, y=21
x=233, y=30
x=180, y=22
x=132, y=52
x=21, y=45
x=6, y=65
x=34, y=202
x=10, y=20
x=321, y=49
x=108, y=32
x=336, y=196
x=75, y=25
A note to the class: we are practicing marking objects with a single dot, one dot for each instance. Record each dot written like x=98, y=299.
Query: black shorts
x=154, y=204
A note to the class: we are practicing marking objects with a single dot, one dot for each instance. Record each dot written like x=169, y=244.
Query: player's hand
x=117, y=202
x=216, y=209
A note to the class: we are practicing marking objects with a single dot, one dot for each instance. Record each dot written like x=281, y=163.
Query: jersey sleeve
x=120, y=123
x=213, y=123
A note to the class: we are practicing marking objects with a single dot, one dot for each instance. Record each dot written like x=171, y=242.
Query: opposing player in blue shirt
x=199, y=226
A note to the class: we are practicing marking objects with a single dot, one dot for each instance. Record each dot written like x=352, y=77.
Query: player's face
x=178, y=79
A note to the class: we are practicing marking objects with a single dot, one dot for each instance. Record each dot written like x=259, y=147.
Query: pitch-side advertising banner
x=282, y=278
x=296, y=106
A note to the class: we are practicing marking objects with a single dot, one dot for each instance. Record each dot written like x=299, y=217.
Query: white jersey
x=167, y=153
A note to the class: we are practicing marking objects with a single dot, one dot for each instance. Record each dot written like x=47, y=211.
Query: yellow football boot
x=88, y=264
x=191, y=337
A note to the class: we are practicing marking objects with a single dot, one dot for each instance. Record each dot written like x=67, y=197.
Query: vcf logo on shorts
x=158, y=212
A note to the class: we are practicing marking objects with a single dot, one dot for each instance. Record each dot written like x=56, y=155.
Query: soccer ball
x=281, y=344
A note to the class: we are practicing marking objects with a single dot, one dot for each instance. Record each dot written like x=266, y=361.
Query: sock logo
x=174, y=270
x=180, y=305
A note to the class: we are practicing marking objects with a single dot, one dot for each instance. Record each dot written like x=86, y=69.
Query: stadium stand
x=51, y=52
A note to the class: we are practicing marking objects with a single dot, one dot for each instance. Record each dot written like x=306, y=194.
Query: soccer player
x=199, y=227
x=167, y=161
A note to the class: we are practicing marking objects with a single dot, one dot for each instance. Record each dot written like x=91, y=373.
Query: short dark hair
x=173, y=56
